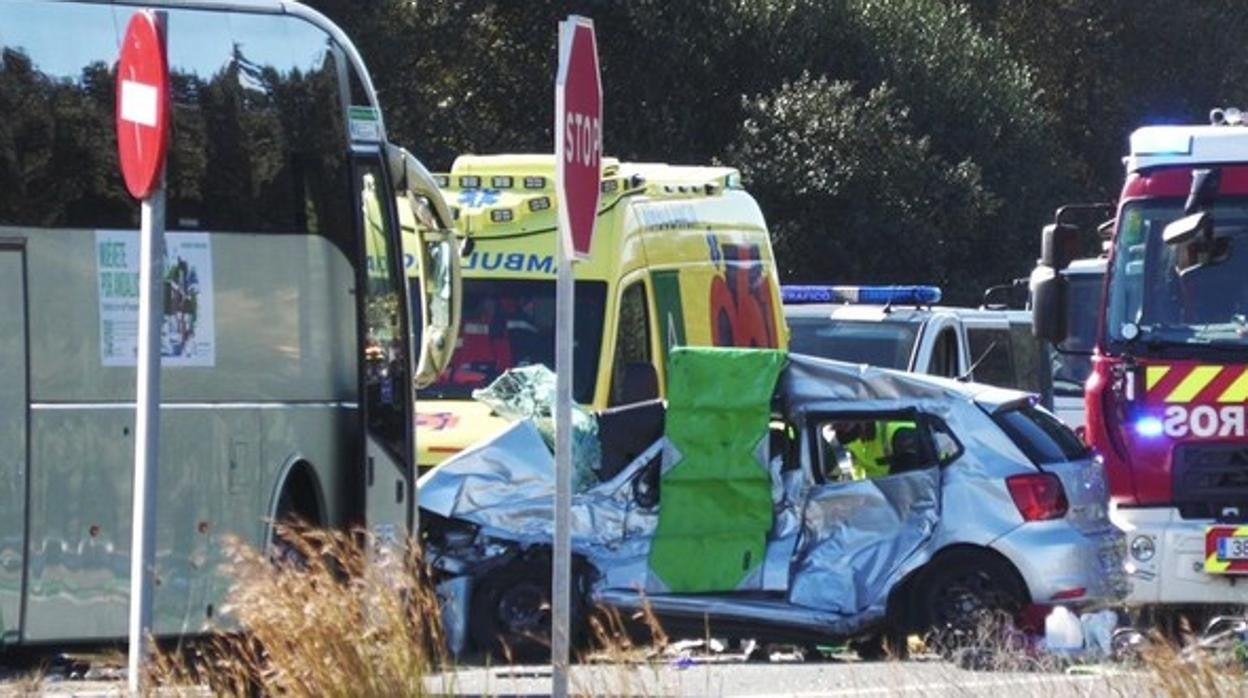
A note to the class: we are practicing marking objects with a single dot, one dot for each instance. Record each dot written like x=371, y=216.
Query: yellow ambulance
x=680, y=256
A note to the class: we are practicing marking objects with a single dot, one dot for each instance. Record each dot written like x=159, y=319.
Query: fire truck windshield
x=1188, y=294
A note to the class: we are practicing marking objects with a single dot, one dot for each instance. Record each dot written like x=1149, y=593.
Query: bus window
x=385, y=383
x=632, y=341
x=260, y=144
x=58, y=151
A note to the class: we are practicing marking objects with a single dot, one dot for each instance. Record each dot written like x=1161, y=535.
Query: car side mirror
x=1048, y=304
x=432, y=259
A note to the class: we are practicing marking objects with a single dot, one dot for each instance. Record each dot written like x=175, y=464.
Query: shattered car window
x=872, y=446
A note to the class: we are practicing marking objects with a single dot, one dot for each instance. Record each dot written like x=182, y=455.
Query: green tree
x=682, y=79
x=1105, y=68
x=865, y=197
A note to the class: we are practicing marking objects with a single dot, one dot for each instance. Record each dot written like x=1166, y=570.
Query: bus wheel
x=296, y=510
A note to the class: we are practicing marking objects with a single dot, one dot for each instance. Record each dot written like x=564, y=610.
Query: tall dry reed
x=332, y=617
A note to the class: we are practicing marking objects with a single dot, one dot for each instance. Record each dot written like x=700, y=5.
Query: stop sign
x=142, y=104
x=578, y=133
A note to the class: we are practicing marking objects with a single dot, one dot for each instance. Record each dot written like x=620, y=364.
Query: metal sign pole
x=562, y=591
x=146, y=433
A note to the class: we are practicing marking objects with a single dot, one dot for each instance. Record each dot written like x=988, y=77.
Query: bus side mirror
x=431, y=247
x=1059, y=245
x=1048, y=304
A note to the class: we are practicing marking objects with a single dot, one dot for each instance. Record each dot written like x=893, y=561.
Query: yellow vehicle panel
x=690, y=236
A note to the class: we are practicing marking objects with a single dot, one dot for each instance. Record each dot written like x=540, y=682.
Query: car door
x=940, y=349
x=865, y=525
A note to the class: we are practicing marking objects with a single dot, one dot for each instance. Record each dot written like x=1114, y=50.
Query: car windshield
x=887, y=343
x=1191, y=293
x=1073, y=363
x=509, y=323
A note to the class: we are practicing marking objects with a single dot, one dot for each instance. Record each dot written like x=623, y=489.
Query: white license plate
x=1233, y=548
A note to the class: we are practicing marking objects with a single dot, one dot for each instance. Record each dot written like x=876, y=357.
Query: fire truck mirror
x=1059, y=244
x=1186, y=228
x=1048, y=304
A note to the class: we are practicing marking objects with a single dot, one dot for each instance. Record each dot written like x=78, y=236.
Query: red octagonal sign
x=142, y=104
x=578, y=129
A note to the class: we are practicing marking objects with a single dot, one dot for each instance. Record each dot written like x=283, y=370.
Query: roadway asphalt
x=832, y=677
x=923, y=678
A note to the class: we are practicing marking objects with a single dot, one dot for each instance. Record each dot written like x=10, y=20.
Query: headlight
x=1143, y=548
x=447, y=534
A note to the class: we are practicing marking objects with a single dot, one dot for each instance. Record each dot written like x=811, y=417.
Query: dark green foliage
x=887, y=140
x=865, y=196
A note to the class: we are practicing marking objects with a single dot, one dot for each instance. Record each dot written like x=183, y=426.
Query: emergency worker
x=872, y=445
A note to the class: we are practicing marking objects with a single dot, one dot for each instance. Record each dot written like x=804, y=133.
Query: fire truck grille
x=1211, y=481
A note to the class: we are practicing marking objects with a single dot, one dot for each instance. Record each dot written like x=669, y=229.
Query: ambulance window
x=632, y=343
x=945, y=355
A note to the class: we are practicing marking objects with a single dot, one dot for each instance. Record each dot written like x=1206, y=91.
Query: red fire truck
x=1168, y=389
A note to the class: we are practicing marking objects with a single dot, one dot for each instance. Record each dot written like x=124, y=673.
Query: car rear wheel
x=967, y=598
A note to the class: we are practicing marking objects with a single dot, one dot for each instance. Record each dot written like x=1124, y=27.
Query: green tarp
x=715, y=500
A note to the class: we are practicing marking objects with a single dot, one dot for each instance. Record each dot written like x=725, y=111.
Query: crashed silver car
x=781, y=497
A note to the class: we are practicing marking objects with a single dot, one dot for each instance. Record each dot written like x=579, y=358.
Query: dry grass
x=335, y=619
x=332, y=620
x=1198, y=667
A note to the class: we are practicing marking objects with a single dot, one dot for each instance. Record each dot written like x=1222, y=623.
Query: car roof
x=904, y=314
x=883, y=385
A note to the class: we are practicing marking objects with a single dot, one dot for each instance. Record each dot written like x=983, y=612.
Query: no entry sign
x=578, y=132
x=142, y=104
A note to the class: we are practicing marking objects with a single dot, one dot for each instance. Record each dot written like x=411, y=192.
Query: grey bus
x=288, y=368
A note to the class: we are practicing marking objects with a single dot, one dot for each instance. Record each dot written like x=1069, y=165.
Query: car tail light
x=1038, y=496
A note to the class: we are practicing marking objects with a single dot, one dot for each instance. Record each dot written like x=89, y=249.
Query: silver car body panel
x=835, y=549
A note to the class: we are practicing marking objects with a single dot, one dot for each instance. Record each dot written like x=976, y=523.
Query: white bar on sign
x=138, y=102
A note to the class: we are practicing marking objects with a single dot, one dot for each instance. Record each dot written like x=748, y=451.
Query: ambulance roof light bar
x=873, y=295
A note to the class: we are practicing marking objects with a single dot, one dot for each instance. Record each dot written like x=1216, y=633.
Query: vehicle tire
x=295, y=509
x=510, y=614
x=967, y=598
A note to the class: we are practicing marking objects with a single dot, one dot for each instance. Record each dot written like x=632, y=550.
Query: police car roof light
x=875, y=295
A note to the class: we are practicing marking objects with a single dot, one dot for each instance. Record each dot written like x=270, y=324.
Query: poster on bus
x=188, y=333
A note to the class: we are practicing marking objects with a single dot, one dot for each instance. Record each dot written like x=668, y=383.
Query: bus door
x=13, y=423
x=386, y=392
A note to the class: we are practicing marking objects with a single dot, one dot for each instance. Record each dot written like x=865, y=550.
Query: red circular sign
x=142, y=104
x=579, y=102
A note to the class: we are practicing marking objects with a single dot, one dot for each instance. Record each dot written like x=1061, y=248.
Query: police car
x=902, y=328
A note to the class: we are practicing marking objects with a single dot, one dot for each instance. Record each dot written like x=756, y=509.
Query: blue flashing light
x=875, y=295
x=1148, y=427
